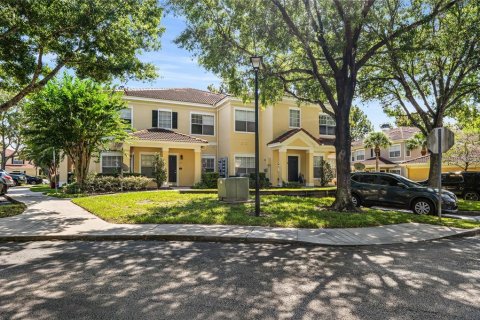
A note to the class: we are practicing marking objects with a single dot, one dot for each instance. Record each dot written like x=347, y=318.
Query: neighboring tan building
x=18, y=165
x=197, y=131
x=397, y=158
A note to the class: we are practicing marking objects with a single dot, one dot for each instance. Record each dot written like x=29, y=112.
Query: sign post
x=439, y=141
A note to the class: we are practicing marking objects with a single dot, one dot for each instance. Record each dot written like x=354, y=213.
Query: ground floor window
x=111, y=162
x=244, y=166
x=317, y=166
x=208, y=164
x=396, y=171
x=146, y=165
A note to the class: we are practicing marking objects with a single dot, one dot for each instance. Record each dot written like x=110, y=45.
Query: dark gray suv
x=395, y=191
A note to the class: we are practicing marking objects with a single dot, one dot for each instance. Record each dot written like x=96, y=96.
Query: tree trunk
x=81, y=164
x=434, y=170
x=377, y=158
x=343, y=201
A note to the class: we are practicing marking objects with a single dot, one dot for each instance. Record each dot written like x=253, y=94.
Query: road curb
x=202, y=238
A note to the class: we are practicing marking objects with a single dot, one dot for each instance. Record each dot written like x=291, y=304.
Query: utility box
x=233, y=189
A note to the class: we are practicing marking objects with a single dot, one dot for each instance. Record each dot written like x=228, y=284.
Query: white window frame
x=21, y=161
x=208, y=156
x=204, y=114
x=290, y=118
x=140, y=160
x=399, y=150
x=235, y=156
x=395, y=171
x=313, y=166
x=235, y=120
x=171, y=118
x=357, y=154
x=131, y=115
x=110, y=153
x=326, y=115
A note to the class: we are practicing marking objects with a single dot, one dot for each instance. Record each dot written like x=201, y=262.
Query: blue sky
x=178, y=69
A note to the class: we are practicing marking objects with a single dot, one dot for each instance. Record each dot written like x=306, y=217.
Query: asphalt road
x=185, y=280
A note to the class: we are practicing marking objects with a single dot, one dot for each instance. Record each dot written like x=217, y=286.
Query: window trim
x=290, y=109
x=171, y=118
x=140, y=154
x=210, y=156
x=241, y=155
x=400, y=150
x=356, y=154
x=204, y=114
x=110, y=153
x=234, y=119
x=313, y=164
x=18, y=159
x=322, y=134
x=131, y=115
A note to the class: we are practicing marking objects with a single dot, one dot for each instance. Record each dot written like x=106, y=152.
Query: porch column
x=198, y=165
x=309, y=169
x=282, y=160
x=165, y=153
x=126, y=158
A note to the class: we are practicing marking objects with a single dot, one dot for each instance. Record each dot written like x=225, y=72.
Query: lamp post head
x=256, y=62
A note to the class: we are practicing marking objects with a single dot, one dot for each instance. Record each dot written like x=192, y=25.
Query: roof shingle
x=182, y=95
x=395, y=134
x=158, y=134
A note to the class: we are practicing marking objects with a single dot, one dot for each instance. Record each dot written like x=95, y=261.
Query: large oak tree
x=99, y=39
x=430, y=73
x=314, y=50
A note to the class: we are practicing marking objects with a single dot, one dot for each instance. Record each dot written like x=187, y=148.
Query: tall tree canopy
x=360, y=126
x=432, y=71
x=79, y=117
x=100, y=39
x=313, y=50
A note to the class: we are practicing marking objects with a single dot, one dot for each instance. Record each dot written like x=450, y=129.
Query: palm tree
x=377, y=140
x=418, y=140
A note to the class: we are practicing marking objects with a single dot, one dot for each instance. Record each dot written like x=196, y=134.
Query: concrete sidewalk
x=48, y=218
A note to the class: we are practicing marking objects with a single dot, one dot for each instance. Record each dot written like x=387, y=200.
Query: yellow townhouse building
x=197, y=131
x=397, y=158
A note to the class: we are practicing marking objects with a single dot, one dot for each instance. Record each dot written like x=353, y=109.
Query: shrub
x=209, y=180
x=104, y=183
x=326, y=173
x=159, y=171
x=264, y=181
x=292, y=184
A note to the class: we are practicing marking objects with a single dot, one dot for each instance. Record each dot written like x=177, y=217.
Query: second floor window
x=245, y=120
x=165, y=119
x=294, y=118
x=360, y=155
x=395, y=151
x=202, y=124
x=327, y=125
x=17, y=161
x=126, y=115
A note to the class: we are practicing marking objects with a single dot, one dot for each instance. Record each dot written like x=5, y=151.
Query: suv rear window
x=455, y=178
x=387, y=181
x=370, y=179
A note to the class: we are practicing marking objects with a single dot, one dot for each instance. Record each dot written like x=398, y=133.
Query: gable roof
x=158, y=134
x=290, y=133
x=372, y=161
x=177, y=94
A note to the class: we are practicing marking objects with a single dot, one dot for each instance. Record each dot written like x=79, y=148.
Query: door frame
x=299, y=157
x=176, y=155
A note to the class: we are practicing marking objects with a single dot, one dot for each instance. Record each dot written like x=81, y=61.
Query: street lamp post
x=256, y=62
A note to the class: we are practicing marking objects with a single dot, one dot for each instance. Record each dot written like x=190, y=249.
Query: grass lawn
x=282, y=211
x=11, y=209
x=45, y=189
x=465, y=205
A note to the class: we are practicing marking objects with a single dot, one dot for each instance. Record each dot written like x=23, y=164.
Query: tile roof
x=394, y=134
x=177, y=94
x=421, y=159
x=284, y=136
x=371, y=161
x=158, y=134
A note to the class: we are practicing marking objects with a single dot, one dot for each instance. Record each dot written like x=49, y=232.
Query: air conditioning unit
x=233, y=189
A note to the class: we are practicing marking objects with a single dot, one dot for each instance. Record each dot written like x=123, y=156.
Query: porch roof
x=158, y=134
x=290, y=133
x=372, y=161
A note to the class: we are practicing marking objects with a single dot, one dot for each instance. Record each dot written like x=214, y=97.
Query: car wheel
x=355, y=200
x=33, y=182
x=422, y=206
x=471, y=195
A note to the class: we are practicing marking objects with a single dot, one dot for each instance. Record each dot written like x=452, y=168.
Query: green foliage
x=101, y=184
x=264, y=182
x=159, y=171
x=100, y=39
x=78, y=117
x=377, y=140
x=465, y=153
x=359, y=166
x=208, y=180
x=417, y=141
x=359, y=124
x=326, y=173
